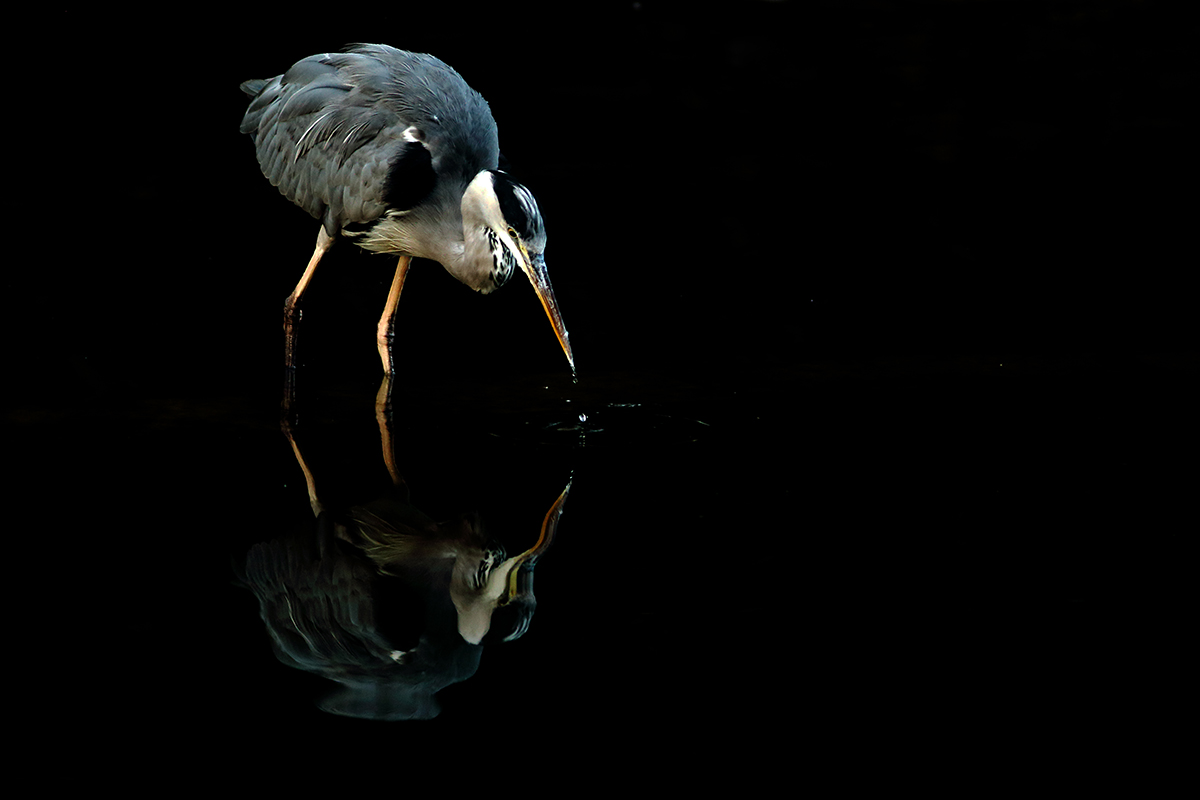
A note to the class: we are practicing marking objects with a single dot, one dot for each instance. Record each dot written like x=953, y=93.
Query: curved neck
x=474, y=263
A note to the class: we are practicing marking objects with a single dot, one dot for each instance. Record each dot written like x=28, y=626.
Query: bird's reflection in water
x=390, y=604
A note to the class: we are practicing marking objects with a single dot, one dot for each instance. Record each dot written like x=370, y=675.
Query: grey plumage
x=327, y=130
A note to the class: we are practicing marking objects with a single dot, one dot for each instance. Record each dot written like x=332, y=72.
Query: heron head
x=502, y=218
x=497, y=602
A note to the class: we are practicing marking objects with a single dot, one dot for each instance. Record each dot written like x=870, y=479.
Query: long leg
x=385, y=334
x=291, y=306
x=291, y=321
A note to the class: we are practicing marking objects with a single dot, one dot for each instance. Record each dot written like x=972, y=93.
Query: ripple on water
x=616, y=424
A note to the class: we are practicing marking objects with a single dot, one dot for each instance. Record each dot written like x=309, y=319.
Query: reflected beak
x=535, y=270
x=520, y=580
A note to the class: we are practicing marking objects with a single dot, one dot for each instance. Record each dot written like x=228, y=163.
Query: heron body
x=395, y=151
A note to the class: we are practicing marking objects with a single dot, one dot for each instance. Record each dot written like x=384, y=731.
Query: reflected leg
x=309, y=480
x=383, y=417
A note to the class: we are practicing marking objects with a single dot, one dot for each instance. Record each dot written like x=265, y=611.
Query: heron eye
x=513, y=233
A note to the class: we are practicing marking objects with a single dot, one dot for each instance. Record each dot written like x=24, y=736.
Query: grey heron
x=395, y=151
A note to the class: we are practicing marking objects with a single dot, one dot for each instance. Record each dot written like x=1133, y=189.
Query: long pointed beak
x=535, y=270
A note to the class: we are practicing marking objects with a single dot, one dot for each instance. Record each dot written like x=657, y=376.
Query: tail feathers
x=253, y=87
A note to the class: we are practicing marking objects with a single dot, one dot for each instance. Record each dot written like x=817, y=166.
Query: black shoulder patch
x=410, y=177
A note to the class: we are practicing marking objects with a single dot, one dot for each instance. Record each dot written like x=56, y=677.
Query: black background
x=923, y=270
x=754, y=183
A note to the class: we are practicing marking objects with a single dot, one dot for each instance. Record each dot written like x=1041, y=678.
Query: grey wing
x=325, y=137
x=317, y=608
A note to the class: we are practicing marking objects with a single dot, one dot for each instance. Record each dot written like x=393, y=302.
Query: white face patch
x=411, y=134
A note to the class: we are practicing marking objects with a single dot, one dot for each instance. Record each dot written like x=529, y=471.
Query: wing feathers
x=329, y=132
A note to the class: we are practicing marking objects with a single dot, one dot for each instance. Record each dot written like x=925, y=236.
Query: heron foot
x=292, y=313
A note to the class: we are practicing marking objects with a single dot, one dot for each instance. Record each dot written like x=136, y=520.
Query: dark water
x=955, y=561
x=879, y=457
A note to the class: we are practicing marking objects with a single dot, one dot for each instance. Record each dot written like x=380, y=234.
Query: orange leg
x=385, y=334
x=291, y=306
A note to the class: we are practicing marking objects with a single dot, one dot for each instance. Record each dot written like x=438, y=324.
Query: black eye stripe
x=517, y=205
